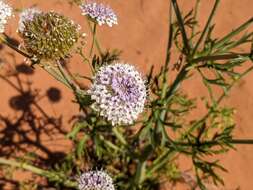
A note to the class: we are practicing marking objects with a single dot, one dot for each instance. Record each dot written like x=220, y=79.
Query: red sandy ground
x=142, y=35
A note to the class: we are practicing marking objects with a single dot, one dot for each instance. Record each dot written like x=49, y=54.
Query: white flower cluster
x=95, y=180
x=27, y=15
x=119, y=92
x=100, y=13
x=5, y=13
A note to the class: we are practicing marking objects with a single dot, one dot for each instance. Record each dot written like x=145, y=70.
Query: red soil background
x=141, y=35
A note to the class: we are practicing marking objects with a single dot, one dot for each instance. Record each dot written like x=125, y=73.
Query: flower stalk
x=4, y=39
x=45, y=173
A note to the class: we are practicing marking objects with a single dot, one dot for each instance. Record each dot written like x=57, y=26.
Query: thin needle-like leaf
x=225, y=39
x=181, y=26
x=206, y=26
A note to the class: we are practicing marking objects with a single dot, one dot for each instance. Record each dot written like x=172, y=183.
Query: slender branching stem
x=181, y=26
x=67, y=77
x=219, y=100
x=170, y=38
x=4, y=39
x=119, y=136
x=236, y=31
x=242, y=141
x=160, y=161
x=196, y=10
x=180, y=77
x=206, y=26
x=48, y=67
x=93, y=38
x=213, y=142
x=51, y=70
x=84, y=77
x=221, y=57
x=45, y=173
x=162, y=113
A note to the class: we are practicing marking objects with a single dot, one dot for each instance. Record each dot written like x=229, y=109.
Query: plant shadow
x=23, y=133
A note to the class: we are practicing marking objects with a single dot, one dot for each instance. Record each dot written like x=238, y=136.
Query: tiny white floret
x=100, y=13
x=5, y=13
x=95, y=180
x=119, y=93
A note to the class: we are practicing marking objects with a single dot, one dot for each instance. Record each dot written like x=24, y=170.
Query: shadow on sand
x=22, y=133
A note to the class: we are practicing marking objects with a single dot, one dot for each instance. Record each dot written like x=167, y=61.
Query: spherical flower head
x=5, y=13
x=99, y=13
x=119, y=93
x=25, y=16
x=49, y=36
x=95, y=180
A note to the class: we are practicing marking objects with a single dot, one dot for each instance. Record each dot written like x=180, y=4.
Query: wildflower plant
x=136, y=127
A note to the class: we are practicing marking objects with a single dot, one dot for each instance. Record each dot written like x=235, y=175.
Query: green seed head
x=50, y=36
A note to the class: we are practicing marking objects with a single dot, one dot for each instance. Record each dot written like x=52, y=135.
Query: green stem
x=196, y=9
x=98, y=46
x=181, y=26
x=161, y=114
x=67, y=78
x=224, y=94
x=50, y=175
x=4, y=39
x=160, y=161
x=93, y=38
x=140, y=174
x=242, y=141
x=45, y=65
x=206, y=26
x=225, y=39
x=170, y=39
x=180, y=77
x=220, y=57
x=119, y=135
x=232, y=141
x=83, y=76
x=55, y=74
x=233, y=83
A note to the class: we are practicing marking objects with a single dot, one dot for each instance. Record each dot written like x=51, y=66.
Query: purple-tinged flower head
x=95, y=180
x=27, y=15
x=119, y=93
x=99, y=13
x=5, y=13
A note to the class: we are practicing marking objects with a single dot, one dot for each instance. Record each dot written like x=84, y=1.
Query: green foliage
x=105, y=58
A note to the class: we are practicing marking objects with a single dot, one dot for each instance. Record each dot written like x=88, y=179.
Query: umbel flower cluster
x=99, y=13
x=119, y=93
x=49, y=36
x=95, y=180
x=5, y=13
